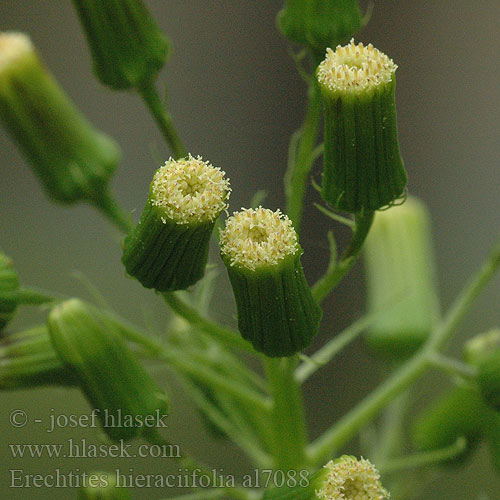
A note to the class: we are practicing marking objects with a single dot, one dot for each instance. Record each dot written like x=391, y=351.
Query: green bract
x=401, y=287
x=168, y=249
x=128, y=48
x=9, y=284
x=28, y=359
x=276, y=310
x=72, y=160
x=363, y=169
x=127, y=399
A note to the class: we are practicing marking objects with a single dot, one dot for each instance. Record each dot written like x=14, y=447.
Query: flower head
x=355, y=68
x=258, y=237
x=190, y=190
x=351, y=479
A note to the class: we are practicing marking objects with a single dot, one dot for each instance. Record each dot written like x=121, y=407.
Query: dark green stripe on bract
x=276, y=310
x=107, y=371
x=363, y=169
x=165, y=255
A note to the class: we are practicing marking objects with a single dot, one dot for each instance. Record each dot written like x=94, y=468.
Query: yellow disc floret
x=258, y=237
x=355, y=68
x=13, y=46
x=190, y=190
x=351, y=479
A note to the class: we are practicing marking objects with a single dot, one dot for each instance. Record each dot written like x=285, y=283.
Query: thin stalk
x=300, y=163
x=289, y=429
x=336, y=271
x=425, y=458
x=348, y=426
x=31, y=296
x=109, y=207
x=454, y=367
x=227, y=336
x=163, y=119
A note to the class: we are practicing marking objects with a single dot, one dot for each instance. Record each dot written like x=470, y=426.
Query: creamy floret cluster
x=258, y=237
x=355, y=68
x=13, y=45
x=190, y=190
x=351, y=479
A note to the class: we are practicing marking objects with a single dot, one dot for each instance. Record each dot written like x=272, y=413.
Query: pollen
x=13, y=45
x=190, y=190
x=355, y=68
x=351, y=479
x=258, y=237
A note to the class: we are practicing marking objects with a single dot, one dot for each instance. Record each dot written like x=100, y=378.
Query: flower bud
x=9, y=284
x=28, y=359
x=481, y=347
x=91, y=346
x=72, y=160
x=460, y=412
x=488, y=379
x=168, y=249
x=276, y=310
x=128, y=48
x=344, y=478
x=363, y=169
x=319, y=24
x=401, y=288
x=103, y=486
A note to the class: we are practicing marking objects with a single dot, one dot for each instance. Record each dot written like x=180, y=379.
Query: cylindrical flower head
x=276, y=310
x=488, y=379
x=460, y=412
x=28, y=359
x=128, y=48
x=345, y=478
x=319, y=24
x=103, y=486
x=168, y=249
x=114, y=382
x=399, y=266
x=479, y=348
x=9, y=283
x=363, y=169
x=72, y=160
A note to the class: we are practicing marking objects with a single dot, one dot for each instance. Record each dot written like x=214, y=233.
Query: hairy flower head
x=348, y=478
x=355, y=68
x=190, y=190
x=258, y=237
x=13, y=45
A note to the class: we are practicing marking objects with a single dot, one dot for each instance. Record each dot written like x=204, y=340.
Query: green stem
x=301, y=162
x=289, y=430
x=163, y=119
x=425, y=458
x=336, y=271
x=111, y=209
x=348, y=426
x=452, y=366
x=32, y=297
x=227, y=336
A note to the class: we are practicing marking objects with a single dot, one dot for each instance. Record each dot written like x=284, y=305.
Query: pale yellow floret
x=355, y=68
x=190, y=190
x=13, y=46
x=258, y=237
x=351, y=479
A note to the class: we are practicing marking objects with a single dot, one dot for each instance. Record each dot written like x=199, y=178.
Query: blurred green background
x=236, y=98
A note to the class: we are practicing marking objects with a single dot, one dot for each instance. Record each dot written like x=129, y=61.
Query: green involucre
x=276, y=310
x=114, y=382
x=401, y=287
x=72, y=160
x=128, y=48
x=9, y=284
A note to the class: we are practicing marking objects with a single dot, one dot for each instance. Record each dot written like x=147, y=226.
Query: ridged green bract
x=319, y=24
x=28, y=359
x=128, y=48
x=72, y=160
x=165, y=255
x=276, y=310
x=460, y=412
x=363, y=169
x=489, y=379
x=9, y=283
x=401, y=286
x=115, y=384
